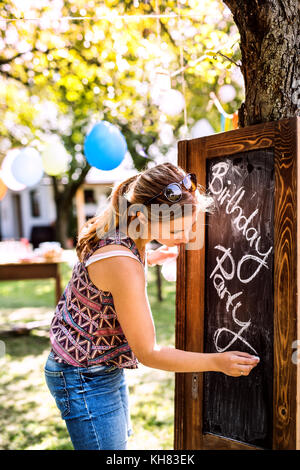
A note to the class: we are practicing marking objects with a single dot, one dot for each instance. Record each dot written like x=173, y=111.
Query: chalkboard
x=239, y=294
x=254, y=177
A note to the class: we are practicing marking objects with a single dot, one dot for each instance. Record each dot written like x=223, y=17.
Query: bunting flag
x=227, y=124
x=222, y=123
x=235, y=120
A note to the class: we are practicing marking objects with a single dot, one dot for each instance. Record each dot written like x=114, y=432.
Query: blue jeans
x=93, y=401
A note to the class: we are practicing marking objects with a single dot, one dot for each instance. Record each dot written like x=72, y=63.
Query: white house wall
x=47, y=211
x=7, y=216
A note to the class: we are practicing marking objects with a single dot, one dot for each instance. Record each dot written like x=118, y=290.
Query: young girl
x=103, y=322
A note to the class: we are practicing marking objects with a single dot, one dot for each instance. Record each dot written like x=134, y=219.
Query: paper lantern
x=201, y=129
x=226, y=93
x=27, y=167
x=172, y=102
x=105, y=147
x=162, y=80
x=55, y=159
x=6, y=174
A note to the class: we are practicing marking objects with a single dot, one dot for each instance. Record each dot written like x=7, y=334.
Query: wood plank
x=240, y=140
x=285, y=288
x=213, y=442
x=195, y=278
x=179, y=399
x=298, y=289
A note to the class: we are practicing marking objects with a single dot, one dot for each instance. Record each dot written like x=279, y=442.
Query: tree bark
x=270, y=42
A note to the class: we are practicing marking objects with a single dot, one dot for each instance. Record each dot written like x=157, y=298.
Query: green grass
x=29, y=418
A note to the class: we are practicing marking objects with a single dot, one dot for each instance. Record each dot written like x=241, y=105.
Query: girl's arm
x=125, y=279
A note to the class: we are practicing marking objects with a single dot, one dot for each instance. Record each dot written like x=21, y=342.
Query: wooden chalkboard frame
x=283, y=136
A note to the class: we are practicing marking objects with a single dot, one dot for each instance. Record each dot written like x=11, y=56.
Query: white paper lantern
x=226, y=93
x=162, y=80
x=172, y=102
x=6, y=174
x=27, y=167
x=201, y=129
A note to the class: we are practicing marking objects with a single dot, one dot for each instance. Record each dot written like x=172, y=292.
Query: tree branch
x=9, y=75
x=11, y=59
x=228, y=58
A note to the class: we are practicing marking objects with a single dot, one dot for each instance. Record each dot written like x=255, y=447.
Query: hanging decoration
x=55, y=158
x=201, y=129
x=105, y=153
x=27, y=167
x=225, y=117
x=222, y=122
x=105, y=146
x=172, y=102
x=6, y=174
x=162, y=80
x=226, y=93
x=227, y=124
x=235, y=120
x=161, y=83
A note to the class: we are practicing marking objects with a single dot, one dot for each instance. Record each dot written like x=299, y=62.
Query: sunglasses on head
x=173, y=191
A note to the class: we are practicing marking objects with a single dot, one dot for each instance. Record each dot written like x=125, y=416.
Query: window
x=34, y=203
x=89, y=196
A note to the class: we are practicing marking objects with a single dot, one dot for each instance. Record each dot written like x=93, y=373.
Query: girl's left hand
x=161, y=255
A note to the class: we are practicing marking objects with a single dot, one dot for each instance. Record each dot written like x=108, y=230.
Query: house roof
x=125, y=170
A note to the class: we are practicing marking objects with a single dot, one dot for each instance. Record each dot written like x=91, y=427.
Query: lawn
x=29, y=418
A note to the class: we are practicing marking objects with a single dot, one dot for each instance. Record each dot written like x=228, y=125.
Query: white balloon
x=27, y=167
x=7, y=175
x=172, y=102
x=201, y=129
x=226, y=93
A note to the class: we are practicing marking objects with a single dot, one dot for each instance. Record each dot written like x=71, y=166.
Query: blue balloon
x=105, y=147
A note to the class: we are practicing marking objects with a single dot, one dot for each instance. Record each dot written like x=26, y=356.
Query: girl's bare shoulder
x=108, y=272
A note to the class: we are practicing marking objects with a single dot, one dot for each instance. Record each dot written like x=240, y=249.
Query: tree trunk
x=270, y=42
x=63, y=198
x=62, y=224
x=158, y=283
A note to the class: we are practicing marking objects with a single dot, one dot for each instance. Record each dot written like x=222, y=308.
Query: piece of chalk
x=256, y=357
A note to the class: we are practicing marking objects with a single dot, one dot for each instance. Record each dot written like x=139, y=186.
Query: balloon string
x=182, y=65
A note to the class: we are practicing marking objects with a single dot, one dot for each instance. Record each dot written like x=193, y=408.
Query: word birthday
x=227, y=268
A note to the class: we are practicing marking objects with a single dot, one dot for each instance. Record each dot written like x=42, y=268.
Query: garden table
x=39, y=268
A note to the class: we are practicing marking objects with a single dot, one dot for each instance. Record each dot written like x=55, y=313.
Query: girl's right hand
x=236, y=363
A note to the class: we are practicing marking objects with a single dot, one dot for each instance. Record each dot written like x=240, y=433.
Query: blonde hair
x=136, y=190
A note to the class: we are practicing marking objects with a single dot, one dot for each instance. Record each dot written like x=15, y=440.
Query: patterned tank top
x=83, y=309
